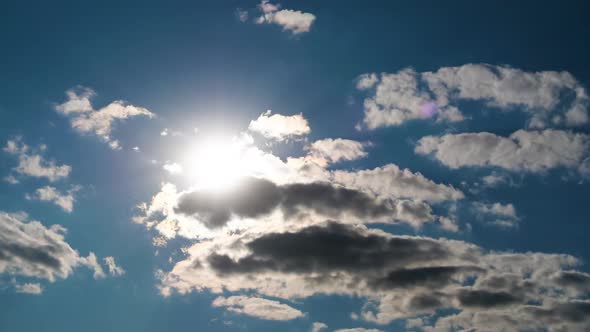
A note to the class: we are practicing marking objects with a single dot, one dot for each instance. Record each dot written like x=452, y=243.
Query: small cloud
x=242, y=15
x=29, y=288
x=295, y=21
x=280, y=127
x=33, y=164
x=86, y=120
x=172, y=168
x=318, y=326
x=51, y=194
x=258, y=307
x=113, y=268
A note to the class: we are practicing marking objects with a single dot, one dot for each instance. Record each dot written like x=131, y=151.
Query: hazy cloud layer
x=549, y=98
x=86, y=120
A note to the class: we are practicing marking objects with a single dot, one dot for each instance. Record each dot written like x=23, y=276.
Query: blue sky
x=294, y=165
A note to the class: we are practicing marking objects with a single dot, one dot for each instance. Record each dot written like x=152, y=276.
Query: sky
x=307, y=165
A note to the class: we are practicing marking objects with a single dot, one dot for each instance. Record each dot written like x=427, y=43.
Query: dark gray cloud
x=486, y=298
x=255, y=197
x=334, y=247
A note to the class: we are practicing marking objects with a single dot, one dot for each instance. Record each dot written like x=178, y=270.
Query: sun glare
x=217, y=163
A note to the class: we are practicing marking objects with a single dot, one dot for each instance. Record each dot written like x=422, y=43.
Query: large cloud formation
x=548, y=97
x=401, y=276
x=86, y=120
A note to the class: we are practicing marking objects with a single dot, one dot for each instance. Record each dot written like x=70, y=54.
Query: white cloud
x=290, y=20
x=318, y=326
x=394, y=182
x=112, y=266
x=258, y=307
x=92, y=262
x=51, y=194
x=280, y=127
x=33, y=164
x=29, y=249
x=86, y=120
x=503, y=215
x=532, y=151
x=29, y=288
x=328, y=151
x=409, y=95
x=172, y=168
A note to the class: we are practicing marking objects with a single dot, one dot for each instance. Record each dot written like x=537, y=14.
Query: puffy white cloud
x=290, y=20
x=33, y=164
x=92, y=262
x=532, y=151
x=358, y=329
x=549, y=97
x=280, y=127
x=86, y=120
x=112, y=266
x=258, y=307
x=394, y=182
x=328, y=151
x=318, y=326
x=51, y=194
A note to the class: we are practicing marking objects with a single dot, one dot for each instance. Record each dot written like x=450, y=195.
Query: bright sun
x=218, y=163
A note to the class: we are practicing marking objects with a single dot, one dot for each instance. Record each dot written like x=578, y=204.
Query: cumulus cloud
x=329, y=151
x=400, y=276
x=51, y=194
x=318, y=326
x=548, y=97
x=112, y=266
x=295, y=21
x=358, y=329
x=28, y=249
x=32, y=164
x=394, y=182
x=86, y=120
x=280, y=127
x=258, y=307
x=530, y=151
